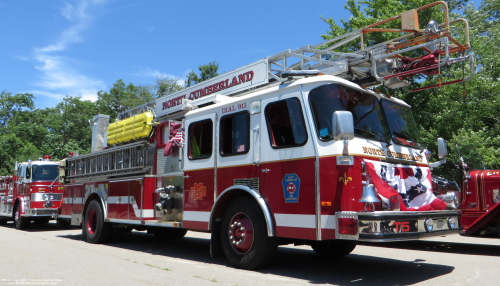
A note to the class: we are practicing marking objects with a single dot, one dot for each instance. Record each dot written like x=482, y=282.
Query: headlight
x=451, y=223
x=45, y=197
x=429, y=224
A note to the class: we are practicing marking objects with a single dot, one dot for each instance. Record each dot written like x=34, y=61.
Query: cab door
x=199, y=170
x=288, y=166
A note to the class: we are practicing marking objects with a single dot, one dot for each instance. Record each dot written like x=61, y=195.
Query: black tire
x=253, y=250
x=169, y=233
x=334, y=248
x=94, y=228
x=498, y=227
x=19, y=221
x=63, y=222
x=3, y=221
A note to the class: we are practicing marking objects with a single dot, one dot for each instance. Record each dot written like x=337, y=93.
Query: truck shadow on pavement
x=39, y=227
x=445, y=247
x=296, y=263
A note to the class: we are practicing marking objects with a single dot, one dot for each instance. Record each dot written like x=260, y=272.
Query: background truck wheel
x=334, y=248
x=19, y=221
x=498, y=227
x=169, y=233
x=3, y=221
x=244, y=236
x=63, y=222
x=95, y=230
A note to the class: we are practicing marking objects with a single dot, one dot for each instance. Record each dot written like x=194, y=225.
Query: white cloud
x=153, y=74
x=59, y=76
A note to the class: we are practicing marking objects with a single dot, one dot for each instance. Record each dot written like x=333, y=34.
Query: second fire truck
x=276, y=152
x=33, y=193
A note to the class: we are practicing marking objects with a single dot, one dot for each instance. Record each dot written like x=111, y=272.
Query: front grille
x=440, y=224
x=250, y=182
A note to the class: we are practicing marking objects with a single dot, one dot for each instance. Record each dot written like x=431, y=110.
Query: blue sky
x=57, y=48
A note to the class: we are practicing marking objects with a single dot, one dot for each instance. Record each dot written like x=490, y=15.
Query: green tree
x=166, y=85
x=69, y=127
x=12, y=146
x=206, y=72
x=122, y=97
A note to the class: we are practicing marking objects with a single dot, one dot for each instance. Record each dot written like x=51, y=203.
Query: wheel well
x=15, y=207
x=241, y=191
x=92, y=197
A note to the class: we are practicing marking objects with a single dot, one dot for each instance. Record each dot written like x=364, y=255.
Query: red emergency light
x=348, y=226
x=46, y=157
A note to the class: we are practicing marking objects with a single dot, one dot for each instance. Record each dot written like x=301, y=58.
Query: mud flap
x=215, y=242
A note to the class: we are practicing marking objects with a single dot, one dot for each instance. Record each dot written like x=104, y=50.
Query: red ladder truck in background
x=32, y=194
x=480, y=202
x=293, y=148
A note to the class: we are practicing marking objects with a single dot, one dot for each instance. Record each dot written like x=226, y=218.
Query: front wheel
x=95, y=230
x=19, y=221
x=244, y=235
x=334, y=248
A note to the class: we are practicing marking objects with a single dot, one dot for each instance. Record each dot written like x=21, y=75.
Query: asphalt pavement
x=48, y=255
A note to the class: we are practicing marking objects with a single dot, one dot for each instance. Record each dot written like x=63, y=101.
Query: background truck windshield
x=401, y=124
x=365, y=108
x=45, y=172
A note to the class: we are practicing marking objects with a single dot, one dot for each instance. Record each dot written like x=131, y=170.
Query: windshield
x=45, y=172
x=401, y=124
x=365, y=108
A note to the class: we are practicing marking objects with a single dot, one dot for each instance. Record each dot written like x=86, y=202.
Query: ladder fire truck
x=32, y=194
x=292, y=148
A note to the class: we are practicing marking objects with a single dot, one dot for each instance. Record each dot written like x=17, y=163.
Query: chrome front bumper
x=396, y=225
x=41, y=213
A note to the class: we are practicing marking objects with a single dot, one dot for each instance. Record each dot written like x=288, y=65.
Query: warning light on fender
x=348, y=226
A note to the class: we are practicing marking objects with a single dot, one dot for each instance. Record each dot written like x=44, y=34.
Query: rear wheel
x=19, y=221
x=334, y=248
x=95, y=229
x=169, y=233
x=244, y=235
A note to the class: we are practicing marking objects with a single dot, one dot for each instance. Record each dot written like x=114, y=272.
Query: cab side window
x=235, y=134
x=200, y=139
x=285, y=124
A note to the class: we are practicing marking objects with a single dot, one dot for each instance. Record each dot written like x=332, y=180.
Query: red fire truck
x=480, y=204
x=32, y=194
x=6, y=188
x=275, y=152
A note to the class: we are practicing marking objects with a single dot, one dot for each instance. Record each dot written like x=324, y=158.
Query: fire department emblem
x=291, y=187
x=198, y=191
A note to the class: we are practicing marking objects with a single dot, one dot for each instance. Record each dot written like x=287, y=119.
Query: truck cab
x=35, y=193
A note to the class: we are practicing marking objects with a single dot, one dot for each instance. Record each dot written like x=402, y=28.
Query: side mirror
x=442, y=149
x=343, y=125
x=15, y=166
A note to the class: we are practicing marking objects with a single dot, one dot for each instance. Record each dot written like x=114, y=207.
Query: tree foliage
x=206, y=71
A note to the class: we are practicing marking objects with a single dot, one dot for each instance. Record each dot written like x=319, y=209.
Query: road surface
x=48, y=255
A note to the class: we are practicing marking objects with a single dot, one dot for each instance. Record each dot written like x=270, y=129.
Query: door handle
x=266, y=170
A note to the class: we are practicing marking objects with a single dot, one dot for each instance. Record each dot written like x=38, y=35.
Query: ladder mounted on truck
x=391, y=63
x=388, y=62
x=129, y=159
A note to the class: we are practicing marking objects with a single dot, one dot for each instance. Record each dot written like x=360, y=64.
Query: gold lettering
x=365, y=149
